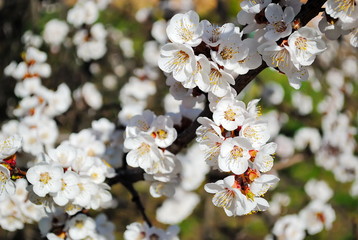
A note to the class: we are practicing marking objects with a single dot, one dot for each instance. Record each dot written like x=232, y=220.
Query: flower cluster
x=281, y=48
x=39, y=105
x=146, y=138
x=90, y=40
x=341, y=18
x=236, y=141
x=80, y=226
x=8, y=147
x=313, y=218
x=142, y=231
x=206, y=56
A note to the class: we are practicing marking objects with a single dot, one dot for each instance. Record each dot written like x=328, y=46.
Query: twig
x=137, y=201
x=289, y=162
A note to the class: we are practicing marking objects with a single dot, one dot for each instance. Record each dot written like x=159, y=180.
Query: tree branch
x=137, y=201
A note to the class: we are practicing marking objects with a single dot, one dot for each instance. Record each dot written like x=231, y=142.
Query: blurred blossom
x=110, y=81
x=318, y=190
x=307, y=137
x=289, y=227
x=126, y=44
x=273, y=93
x=350, y=67
x=120, y=70
x=95, y=68
x=285, y=146
x=151, y=53
x=317, y=216
x=142, y=14
x=91, y=95
x=278, y=201
x=55, y=32
x=177, y=208
x=303, y=103
x=29, y=39
x=335, y=78
x=158, y=31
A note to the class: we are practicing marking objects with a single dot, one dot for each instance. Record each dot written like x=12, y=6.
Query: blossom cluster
x=340, y=18
x=39, y=105
x=80, y=226
x=236, y=142
x=314, y=218
x=8, y=148
x=143, y=231
x=281, y=46
x=90, y=38
x=146, y=138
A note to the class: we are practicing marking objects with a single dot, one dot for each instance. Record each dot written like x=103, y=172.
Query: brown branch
x=289, y=162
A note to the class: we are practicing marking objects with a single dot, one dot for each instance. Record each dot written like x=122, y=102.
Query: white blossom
x=185, y=29
x=279, y=21
x=45, y=178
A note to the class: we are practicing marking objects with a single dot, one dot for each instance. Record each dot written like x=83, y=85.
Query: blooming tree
x=208, y=136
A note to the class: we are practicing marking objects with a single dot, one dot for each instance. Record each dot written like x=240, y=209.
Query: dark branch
x=137, y=201
x=127, y=175
x=309, y=11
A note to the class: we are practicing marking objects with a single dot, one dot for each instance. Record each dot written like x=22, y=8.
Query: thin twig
x=289, y=162
x=137, y=201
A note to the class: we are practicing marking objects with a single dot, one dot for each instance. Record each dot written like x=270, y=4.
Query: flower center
x=237, y=152
x=280, y=58
x=230, y=115
x=79, y=224
x=161, y=134
x=186, y=34
x=301, y=43
x=227, y=53
x=154, y=237
x=215, y=34
x=143, y=149
x=320, y=217
x=280, y=26
x=45, y=177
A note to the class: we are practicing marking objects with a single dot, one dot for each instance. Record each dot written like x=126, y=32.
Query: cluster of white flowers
x=80, y=226
x=134, y=95
x=341, y=18
x=8, y=147
x=236, y=141
x=90, y=39
x=281, y=48
x=314, y=218
x=205, y=56
x=146, y=138
x=15, y=207
x=142, y=231
x=39, y=105
x=70, y=178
